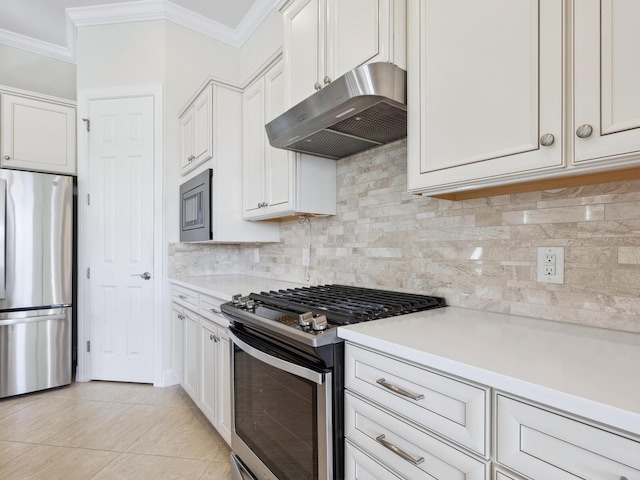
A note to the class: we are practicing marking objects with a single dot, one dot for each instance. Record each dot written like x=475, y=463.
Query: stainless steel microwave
x=195, y=208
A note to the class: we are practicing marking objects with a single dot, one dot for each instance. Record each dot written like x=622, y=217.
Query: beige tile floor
x=107, y=430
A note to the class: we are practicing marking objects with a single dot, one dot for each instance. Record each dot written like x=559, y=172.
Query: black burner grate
x=343, y=304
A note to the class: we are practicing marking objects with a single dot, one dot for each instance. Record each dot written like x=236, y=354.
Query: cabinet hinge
x=88, y=123
x=88, y=199
x=88, y=346
x=88, y=272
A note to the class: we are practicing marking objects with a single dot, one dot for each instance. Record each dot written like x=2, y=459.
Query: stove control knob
x=236, y=299
x=304, y=319
x=250, y=305
x=319, y=323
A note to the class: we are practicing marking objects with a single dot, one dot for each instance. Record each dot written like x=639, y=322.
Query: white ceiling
x=49, y=24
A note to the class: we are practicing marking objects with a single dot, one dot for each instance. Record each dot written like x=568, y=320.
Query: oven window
x=276, y=416
x=192, y=210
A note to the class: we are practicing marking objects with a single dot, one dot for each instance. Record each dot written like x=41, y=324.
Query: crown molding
x=36, y=46
x=140, y=11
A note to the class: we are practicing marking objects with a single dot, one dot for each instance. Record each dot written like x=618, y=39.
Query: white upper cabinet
x=324, y=39
x=279, y=183
x=196, y=131
x=38, y=134
x=606, y=79
x=485, y=90
x=490, y=104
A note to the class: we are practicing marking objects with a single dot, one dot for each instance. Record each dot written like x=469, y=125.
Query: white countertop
x=225, y=286
x=591, y=372
x=587, y=371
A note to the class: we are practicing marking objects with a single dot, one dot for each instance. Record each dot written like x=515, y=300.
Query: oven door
x=282, y=412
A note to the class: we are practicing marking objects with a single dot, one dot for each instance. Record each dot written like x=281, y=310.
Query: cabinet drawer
x=541, y=444
x=369, y=427
x=185, y=297
x=358, y=464
x=210, y=309
x=503, y=475
x=454, y=409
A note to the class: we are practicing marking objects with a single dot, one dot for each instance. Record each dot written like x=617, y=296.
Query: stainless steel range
x=287, y=375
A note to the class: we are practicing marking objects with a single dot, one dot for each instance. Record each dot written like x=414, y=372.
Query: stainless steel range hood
x=362, y=109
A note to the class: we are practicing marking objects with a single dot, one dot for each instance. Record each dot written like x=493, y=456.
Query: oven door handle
x=278, y=363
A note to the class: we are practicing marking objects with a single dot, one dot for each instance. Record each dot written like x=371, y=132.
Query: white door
x=120, y=239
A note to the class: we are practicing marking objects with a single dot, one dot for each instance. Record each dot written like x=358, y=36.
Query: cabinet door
x=177, y=340
x=190, y=371
x=224, y=385
x=541, y=444
x=358, y=32
x=186, y=141
x=279, y=163
x=253, y=172
x=487, y=80
x=203, y=126
x=207, y=392
x=606, y=78
x=38, y=135
x=304, y=48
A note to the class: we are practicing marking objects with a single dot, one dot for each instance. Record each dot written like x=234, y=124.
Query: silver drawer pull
x=214, y=310
x=398, y=390
x=398, y=451
x=183, y=297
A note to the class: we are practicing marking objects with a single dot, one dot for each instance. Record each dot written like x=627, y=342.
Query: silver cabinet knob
x=327, y=80
x=547, y=139
x=584, y=131
x=210, y=337
x=317, y=86
x=147, y=276
x=7, y=157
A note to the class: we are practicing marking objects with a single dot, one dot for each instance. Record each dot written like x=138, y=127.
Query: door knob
x=7, y=157
x=144, y=276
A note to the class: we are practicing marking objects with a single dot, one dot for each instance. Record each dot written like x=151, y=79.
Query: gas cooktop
x=311, y=314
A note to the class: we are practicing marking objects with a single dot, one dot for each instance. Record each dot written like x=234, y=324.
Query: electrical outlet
x=305, y=257
x=550, y=267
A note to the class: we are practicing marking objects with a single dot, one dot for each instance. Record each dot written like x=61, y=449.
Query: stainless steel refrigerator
x=36, y=280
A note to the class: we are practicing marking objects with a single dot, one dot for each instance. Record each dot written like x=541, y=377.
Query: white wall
x=122, y=54
x=37, y=73
x=264, y=41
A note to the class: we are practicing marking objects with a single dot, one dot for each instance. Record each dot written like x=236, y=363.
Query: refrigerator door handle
x=3, y=238
x=39, y=318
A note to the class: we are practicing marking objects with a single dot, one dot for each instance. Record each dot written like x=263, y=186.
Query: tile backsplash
x=477, y=253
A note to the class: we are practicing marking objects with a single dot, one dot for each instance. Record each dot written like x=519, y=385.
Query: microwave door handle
x=3, y=239
x=278, y=363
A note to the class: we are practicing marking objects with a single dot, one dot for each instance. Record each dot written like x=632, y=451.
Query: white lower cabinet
x=201, y=355
x=416, y=423
x=503, y=475
x=358, y=464
x=190, y=372
x=405, y=448
x=542, y=444
x=448, y=406
x=177, y=340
